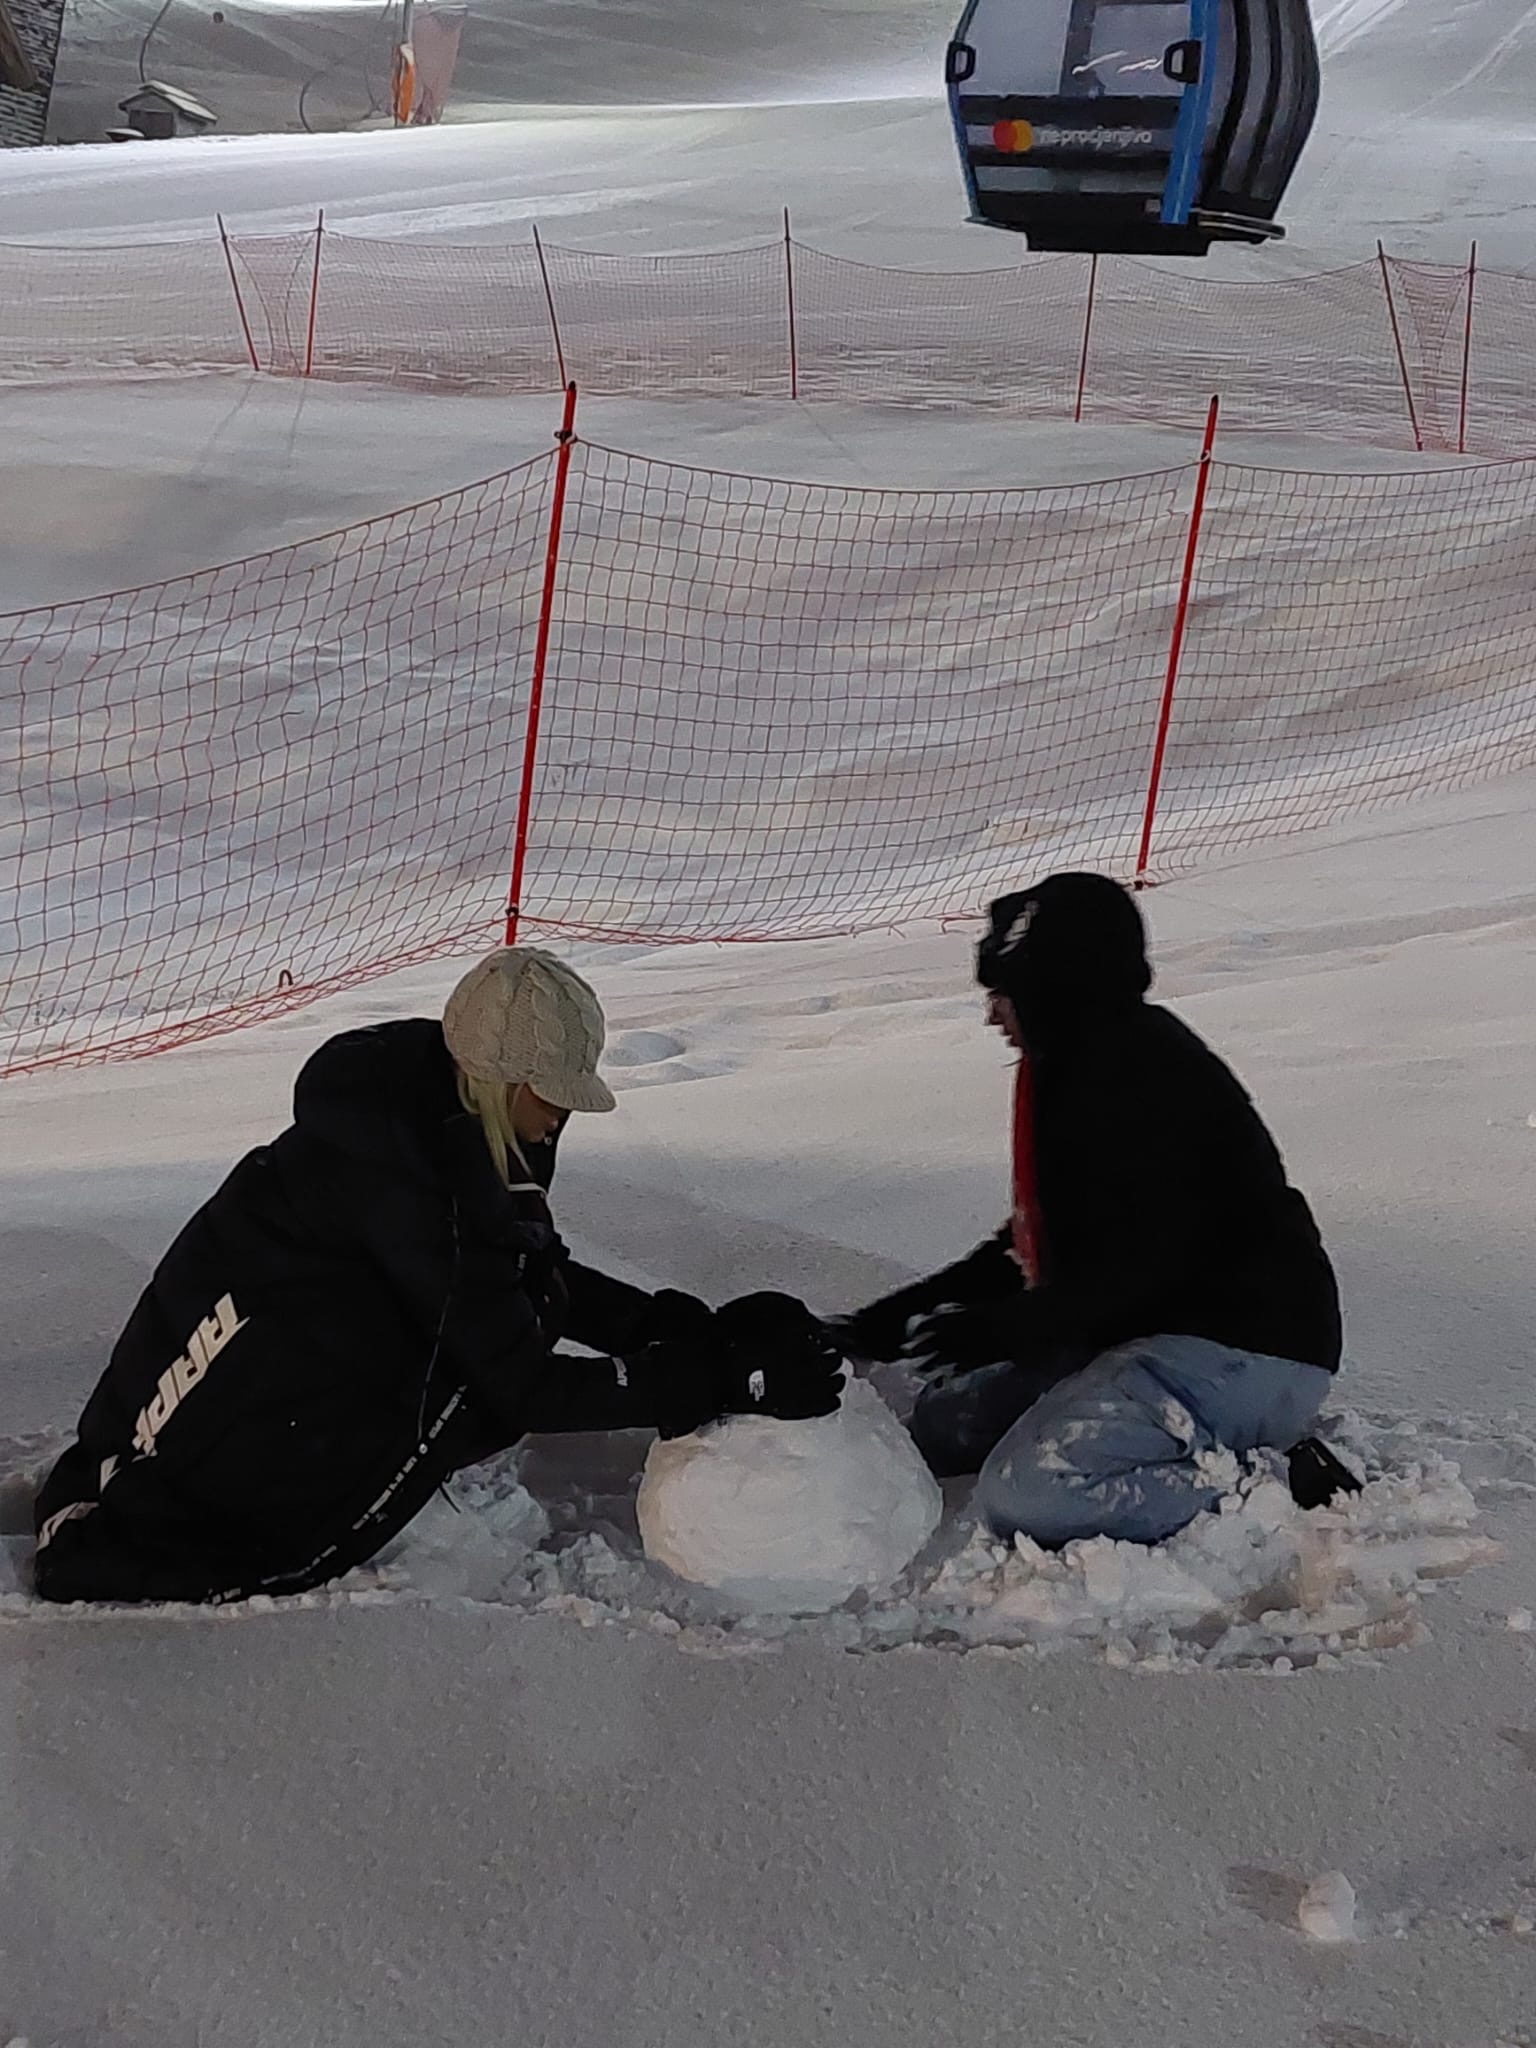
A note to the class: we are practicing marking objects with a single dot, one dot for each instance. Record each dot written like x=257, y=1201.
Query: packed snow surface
x=482, y=1788
x=516, y=1782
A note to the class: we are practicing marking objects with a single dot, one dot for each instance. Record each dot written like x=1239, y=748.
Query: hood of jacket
x=1066, y=953
x=388, y=1095
x=382, y=1094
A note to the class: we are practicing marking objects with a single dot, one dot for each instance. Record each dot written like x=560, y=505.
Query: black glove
x=879, y=1332
x=675, y=1318
x=778, y=1359
x=763, y=1355
x=956, y=1339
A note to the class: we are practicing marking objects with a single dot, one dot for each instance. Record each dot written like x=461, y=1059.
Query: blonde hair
x=491, y=1102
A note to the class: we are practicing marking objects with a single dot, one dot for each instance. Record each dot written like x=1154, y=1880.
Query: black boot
x=1317, y=1476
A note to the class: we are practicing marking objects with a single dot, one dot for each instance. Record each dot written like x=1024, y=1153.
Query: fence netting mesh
x=770, y=709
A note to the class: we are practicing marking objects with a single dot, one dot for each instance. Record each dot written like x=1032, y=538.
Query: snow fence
x=764, y=710
x=1396, y=354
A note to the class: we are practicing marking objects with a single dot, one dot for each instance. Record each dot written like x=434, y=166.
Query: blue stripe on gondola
x=967, y=168
x=1182, y=185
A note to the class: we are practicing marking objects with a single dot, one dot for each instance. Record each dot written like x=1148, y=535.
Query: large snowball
x=791, y=1517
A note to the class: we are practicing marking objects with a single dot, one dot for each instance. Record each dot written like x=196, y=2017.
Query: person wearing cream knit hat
x=523, y=1017
x=375, y=1299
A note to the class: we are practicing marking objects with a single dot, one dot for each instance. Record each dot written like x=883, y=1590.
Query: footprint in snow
x=653, y=1059
x=1272, y=1895
x=643, y=1049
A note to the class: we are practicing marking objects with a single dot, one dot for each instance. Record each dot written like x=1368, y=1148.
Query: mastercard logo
x=1013, y=137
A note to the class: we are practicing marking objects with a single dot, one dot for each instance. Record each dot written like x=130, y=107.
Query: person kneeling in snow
x=1161, y=1291
x=373, y=1301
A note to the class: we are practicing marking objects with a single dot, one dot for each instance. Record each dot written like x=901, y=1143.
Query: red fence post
x=567, y=441
x=1176, y=643
x=1082, y=367
x=245, y=325
x=1466, y=354
x=314, y=295
x=789, y=286
x=1397, y=336
x=549, y=300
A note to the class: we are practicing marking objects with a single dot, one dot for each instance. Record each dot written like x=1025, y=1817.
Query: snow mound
x=791, y=1517
x=1257, y=1581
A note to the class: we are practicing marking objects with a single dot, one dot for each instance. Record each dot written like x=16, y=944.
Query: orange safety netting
x=236, y=790
x=1379, y=352
x=770, y=709
x=778, y=709
x=1501, y=389
x=1353, y=640
x=1008, y=339
x=1301, y=355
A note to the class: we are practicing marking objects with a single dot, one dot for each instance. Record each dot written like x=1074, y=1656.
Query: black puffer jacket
x=359, y=1309
x=1164, y=1203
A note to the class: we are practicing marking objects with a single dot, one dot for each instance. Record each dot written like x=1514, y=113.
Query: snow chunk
x=1326, y=1909
x=791, y=1517
x=467, y=1545
x=1258, y=1583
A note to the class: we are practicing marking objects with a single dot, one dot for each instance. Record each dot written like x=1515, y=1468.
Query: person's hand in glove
x=880, y=1331
x=778, y=1359
x=763, y=1355
x=955, y=1339
x=672, y=1317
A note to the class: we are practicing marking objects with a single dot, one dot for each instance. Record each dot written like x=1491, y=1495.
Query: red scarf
x=1028, y=1238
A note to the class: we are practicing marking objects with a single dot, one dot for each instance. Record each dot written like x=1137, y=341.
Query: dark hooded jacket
x=362, y=1307
x=1163, y=1201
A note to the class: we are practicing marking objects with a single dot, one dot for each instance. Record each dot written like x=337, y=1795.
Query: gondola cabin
x=1150, y=126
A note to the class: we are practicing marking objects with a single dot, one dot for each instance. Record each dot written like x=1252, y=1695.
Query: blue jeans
x=1111, y=1450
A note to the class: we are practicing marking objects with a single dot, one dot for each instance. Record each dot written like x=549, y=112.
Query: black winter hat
x=1073, y=942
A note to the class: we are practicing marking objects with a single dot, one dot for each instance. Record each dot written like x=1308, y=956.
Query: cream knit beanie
x=523, y=1015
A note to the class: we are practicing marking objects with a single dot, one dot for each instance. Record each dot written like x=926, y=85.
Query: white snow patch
x=465, y=1541
x=791, y=1517
x=1258, y=1582
x=1326, y=1909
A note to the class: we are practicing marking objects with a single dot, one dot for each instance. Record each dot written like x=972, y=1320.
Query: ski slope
x=690, y=126
x=499, y=1792
x=509, y=1786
